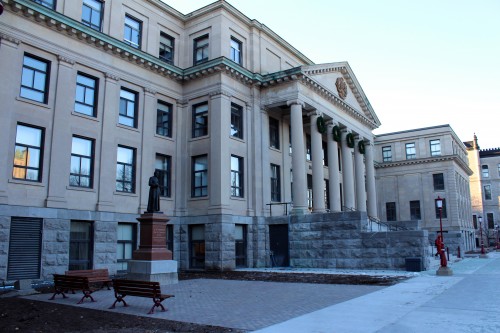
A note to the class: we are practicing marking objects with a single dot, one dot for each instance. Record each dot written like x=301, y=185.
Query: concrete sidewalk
x=468, y=301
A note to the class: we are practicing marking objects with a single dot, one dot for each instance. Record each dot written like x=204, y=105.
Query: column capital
x=182, y=102
x=111, y=77
x=295, y=102
x=150, y=91
x=65, y=60
x=314, y=113
x=218, y=92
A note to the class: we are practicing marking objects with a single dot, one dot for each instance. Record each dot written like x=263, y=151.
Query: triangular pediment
x=339, y=79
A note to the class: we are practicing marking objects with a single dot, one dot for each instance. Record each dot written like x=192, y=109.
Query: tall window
x=132, y=32
x=92, y=14
x=325, y=153
x=166, y=48
x=82, y=151
x=310, y=191
x=485, y=171
x=86, y=95
x=125, y=169
x=127, y=242
x=35, y=79
x=274, y=133
x=128, y=108
x=438, y=180
x=240, y=245
x=491, y=222
x=237, y=176
x=390, y=209
x=435, y=147
x=236, y=121
x=275, y=183
x=415, y=210
x=199, y=178
x=200, y=49
x=487, y=192
x=387, y=154
x=308, y=147
x=170, y=238
x=197, y=246
x=443, y=209
x=47, y=3
x=28, y=154
x=80, y=245
x=236, y=51
x=164, y=119
x=162, y=165
x=200, y=120
x=410, y=151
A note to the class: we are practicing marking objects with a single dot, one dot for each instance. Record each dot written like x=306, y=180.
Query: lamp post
x=443, y=268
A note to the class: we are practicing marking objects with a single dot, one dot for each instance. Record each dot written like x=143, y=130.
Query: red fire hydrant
x=440, y=250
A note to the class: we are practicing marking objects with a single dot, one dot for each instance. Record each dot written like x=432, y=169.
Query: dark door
x=278, y=238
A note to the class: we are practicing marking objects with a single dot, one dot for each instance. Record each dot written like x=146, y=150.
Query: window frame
x=122, y=116
x=161, y=129
x=27, y=166
x=237, y=177
x=236, y=55
x=409, y=148
x=435, y=147
x=199, y=129
x=165, y=177
x=47, y=3
x=201, y=190
x=438, y=181
x=123, y=243
x=197, y=250
x=93, y=10
x=166, y=49
x=387, y=154
x=390, y=211
x=485, y=171
x=240, y=246
x=126, y=25
x=275, y=183
x=85, y=87
x=236, y=121
x=308, y=148
x=132, y=166
x=204, y=48
x=89, y=242
x=487, y=192
x=30, y=89
x=274, y=133
x=79, y=175
x=415, y=212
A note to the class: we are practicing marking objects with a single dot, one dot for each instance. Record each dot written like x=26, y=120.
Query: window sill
x=128, y=128
x=275, y=149
x=238, y=198
x=198, y=198
x=85, y=116
x=200, y=138
x=237, y=139
x=163, y=137
x=26, y=182
x=126, y=194
x=84, y=189
x=30, y=101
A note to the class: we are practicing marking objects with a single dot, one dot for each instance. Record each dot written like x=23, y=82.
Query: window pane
x=81, y=146
x=29, y=136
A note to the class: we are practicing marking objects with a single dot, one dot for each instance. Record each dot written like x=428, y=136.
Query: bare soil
x=23, y=315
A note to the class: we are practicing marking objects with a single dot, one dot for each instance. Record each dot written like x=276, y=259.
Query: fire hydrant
x=440, y=250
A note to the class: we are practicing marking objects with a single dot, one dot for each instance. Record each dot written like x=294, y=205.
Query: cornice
x=447, y=158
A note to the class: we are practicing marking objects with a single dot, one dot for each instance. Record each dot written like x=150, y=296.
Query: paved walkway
x=468, y=301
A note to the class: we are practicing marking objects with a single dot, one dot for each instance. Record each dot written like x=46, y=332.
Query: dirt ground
x=22, y=315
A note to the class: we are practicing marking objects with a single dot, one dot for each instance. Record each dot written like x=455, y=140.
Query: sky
x=420, y=62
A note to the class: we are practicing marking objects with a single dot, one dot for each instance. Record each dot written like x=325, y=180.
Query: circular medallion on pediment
x=341, y=87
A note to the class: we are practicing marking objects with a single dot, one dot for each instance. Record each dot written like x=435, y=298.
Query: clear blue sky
x=420, y=62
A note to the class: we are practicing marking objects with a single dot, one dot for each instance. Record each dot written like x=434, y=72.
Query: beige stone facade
x=413, y=169
x=98, y=94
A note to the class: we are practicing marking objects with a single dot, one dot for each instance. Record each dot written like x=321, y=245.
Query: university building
x=97, y=95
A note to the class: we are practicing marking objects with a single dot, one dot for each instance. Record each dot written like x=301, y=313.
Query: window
x=487, y=192
x=128, y=108
x=28, y=154
x=80, y=245
x=485, y=171
x=275, y=183
x=308, y=147
x=491, y=222
x=274, y=133
x=35, y=79
x=166, y=48
x=443, y=210
x=438, y=180
x=200, y=50
x=410, y=151
x=197, y=246
x=325, y=153
x=240, y=245
x=236, y=51
x=199, y=178
x=47, y=3
x=435, y=147
x=82, y=162
x=170, y=238
x=415, y=210
x=164, y=119
x=309, y=192
x=236, y=121
x=290, y=139
x=390, y=208
x=237, y=176
x=127, y=243
x=162, y=165
x=125, y=169
x=387, y=154
x=132, y=32
x=200, y=120
x=474, y=221
x=86, y=95
x=92, y=14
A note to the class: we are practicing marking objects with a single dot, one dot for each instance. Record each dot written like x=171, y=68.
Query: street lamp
x=443, y=269
x=480, y=218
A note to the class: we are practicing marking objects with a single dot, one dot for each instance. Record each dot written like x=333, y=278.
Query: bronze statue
x=154, y=193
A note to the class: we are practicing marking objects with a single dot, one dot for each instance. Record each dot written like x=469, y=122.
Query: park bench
x=137, y=288
x=63, y=283
x=100, y=275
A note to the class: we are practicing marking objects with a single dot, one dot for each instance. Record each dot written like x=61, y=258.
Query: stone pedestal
x=444, y=271
x=152, y=261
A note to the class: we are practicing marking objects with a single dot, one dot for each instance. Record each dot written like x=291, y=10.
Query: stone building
x=97, y=95
x=485, y=191
x=413, y=169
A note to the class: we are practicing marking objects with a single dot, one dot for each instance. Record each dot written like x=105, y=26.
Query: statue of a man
x=154, y=193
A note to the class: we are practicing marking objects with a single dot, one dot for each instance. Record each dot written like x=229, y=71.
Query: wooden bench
x=150, y=289
x=62, y=283
x=100, y=275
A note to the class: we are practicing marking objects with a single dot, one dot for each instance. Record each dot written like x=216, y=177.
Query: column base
x=444, y=271
x=484, y=255
x=162, y=271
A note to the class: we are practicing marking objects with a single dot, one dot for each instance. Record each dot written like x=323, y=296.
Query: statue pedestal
x=152, y=261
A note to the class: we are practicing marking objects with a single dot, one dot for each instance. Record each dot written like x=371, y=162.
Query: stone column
x=318, y=176
x=298, y=159
x=333, y=171
x=61, y=143
x=107, y=167
x=182, y=173
x=370, y=180
x=265, y=166
x=250, y=178
x=347, y=172
x=359, y=165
